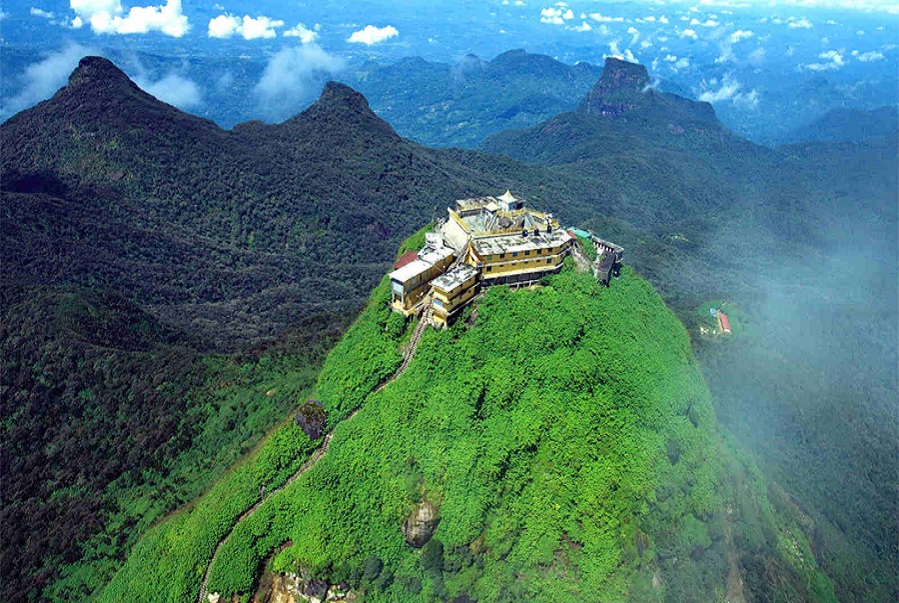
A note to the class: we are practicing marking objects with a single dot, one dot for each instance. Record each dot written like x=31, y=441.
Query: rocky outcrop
x=311, y=418
x=420, y=526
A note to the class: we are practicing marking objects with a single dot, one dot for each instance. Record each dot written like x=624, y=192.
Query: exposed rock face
x=311, y=418
x=624, y=91
x=419, y=527
x=620, y=89
x=316, y=588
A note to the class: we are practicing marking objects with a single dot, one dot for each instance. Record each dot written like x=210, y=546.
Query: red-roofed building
x=406, y=258
x=723, y=323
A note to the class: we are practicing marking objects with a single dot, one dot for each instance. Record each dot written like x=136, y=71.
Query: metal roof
x=449, y=281
x=427, y=257
x=409, y=271
x=515, y=242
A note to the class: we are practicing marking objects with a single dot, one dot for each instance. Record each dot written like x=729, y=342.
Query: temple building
x=483, y=241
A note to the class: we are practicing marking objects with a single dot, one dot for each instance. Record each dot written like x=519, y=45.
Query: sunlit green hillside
x=565, y=434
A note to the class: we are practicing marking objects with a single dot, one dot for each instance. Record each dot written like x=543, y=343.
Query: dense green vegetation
x=184, y=238
x=459, y=105
x=111, y=421
x=568, y=440
x=168, y=562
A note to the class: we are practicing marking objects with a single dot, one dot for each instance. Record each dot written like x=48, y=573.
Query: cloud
x=109, y=17
x=730, y=90
x=36, y=12
x=173, y=89
x=757, y=56
x=635, y=35
x=306, y=36
x=688, y=33
x=627, y=55
x=677, y=63
x=250, y=28
x=802, y=23
x=740, y=34
x=833, y=61
x=600, y=18
x=584, y=26
x=287, y=80
x=42, y=79
x=867, y=57
x=556, y=16
x=373, y=35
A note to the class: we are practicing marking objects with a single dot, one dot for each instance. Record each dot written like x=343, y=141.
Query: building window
x=549, y=260
x=489, y=268
x=514, y=254
x=502, y=255
x=528, y=252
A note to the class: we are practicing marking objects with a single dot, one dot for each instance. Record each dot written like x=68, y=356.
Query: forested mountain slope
x=562, y=434
x=228, y=235
x=804, y=238
x=443, y=105
x=170, y=237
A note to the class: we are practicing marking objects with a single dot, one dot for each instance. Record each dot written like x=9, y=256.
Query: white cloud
x=36, y=12
x=676, y=63
x=832, y=22
x=833, y=61
x=663, y=19
x=802, y=23
x=260, y=27
x=306, y=35
x=173, y=89
x=584, y=26
x=556, y=16
x=627, y=55
x=373, y=35
x=223, y=26
x=867, y=57
x=860, y=32
x=250, y=28
x=43, y=78
x=730, y=90
x=757, y=56
x=711, y=23
x=688, y=33
x=635, y=35
x=740, y=34
x=286, y=82
x=109, y=17
x=600, y=18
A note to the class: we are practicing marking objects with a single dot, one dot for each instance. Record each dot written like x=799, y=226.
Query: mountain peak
x=93, y=71
x=619, y=73
x=621, y=88
x=343, y=108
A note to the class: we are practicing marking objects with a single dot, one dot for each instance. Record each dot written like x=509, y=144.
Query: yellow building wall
x=408, y=302
x=541, y=260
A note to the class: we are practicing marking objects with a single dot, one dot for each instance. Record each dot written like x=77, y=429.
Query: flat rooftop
x=427, y=257
x=449, y=281
x=515, y=242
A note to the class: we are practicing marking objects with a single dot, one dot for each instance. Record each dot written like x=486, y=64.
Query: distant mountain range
x=849, y=125
x=184, y=238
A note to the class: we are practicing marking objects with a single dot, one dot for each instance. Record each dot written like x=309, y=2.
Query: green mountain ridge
x=566, y=436
x=229, y=240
